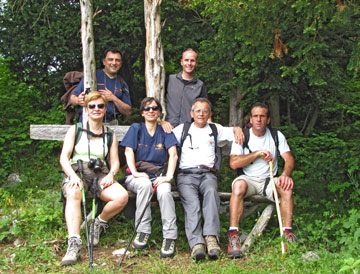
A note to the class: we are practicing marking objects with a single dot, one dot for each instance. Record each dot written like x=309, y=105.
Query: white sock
x=287, y=228
x=101, y=220
x=74, y=236
x=234, y=228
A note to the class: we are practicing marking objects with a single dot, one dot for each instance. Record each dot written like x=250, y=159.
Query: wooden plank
x=57, y=132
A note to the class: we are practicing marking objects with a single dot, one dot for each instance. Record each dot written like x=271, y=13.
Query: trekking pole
x=94, y=193
x=137, y=225
x=80, y=165
x=277, y=206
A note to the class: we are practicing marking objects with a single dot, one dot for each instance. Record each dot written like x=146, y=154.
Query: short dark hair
x=113, y=50
x=147, y=100
x=189, y=49
x=202, y=100
x=262, y=105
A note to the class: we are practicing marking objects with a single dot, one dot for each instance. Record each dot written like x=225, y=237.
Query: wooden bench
x=251, y=204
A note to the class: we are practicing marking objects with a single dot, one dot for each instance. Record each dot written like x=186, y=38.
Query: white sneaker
x=168, y=248
x=141, y=240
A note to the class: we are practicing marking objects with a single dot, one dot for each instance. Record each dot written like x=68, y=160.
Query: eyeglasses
x=153, y=108
x=198, y=111
x=92, y=106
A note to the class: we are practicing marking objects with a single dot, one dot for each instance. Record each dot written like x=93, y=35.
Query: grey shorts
x=257, y=186
x=89, y=174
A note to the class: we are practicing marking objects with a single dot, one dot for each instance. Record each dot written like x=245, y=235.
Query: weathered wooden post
x=88, y=43
x=154, y=57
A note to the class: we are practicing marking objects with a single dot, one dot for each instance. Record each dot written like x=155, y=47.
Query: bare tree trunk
x=275, y=110
x=87, y=40
x=236, y=113
x=154, y=57
x=310, y=127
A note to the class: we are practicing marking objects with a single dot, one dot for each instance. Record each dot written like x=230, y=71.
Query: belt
x=191, y=170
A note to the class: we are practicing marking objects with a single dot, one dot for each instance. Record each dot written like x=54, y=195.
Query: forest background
x=302, y=57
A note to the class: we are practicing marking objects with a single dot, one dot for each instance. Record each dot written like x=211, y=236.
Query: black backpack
x=274, y=135
x=184, y=134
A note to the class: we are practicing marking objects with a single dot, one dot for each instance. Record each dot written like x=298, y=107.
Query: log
x=259, y=227
x=57, y=132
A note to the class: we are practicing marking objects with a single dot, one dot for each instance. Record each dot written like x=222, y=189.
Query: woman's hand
x=75, y=181
x=107, y=181
x=162, y=179
x=140, y=174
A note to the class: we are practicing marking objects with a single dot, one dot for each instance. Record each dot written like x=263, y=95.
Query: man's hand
x=239, y=135
x=108, y=94
x=266, y=155
x=285, y=182
x=81, y=99
x=167, y=127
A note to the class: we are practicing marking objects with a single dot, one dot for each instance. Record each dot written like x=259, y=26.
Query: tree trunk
x=87, y=40
x=310, y=127
x=275, y=110
x=154, y=57
x=236, y=113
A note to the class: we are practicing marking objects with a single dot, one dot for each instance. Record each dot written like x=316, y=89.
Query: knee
x=145, y=185
x=239, y=188
x=73, y=194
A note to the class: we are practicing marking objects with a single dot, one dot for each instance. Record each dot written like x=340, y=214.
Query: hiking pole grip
x=277, y=205
x=136, y=226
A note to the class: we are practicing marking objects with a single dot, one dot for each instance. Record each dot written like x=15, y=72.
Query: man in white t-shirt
x=254, y=160
x=196, y=178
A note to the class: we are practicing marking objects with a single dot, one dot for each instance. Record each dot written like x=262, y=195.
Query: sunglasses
x=153, y=108
x=92, y=106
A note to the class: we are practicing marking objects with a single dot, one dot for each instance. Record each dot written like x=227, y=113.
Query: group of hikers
x=182, y=148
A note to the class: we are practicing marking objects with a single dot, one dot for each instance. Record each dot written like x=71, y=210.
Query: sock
x=233, y=228
x=287, y=229
x=101, y=220
x=74, y=236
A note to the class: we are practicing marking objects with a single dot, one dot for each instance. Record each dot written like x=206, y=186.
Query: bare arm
x=285, y=181
x=119, y=104
x=171, y=167
x=108, y=180
x=237, y=161
x=77, y=100
x=65, y=155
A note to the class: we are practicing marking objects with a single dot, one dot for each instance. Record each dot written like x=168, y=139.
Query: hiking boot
x=99, y=227
x=234, y=250
x=290, y=236
x=168, y=248
x=73, y=251
x=213, y=247
x=198, y=252
x=141, y=240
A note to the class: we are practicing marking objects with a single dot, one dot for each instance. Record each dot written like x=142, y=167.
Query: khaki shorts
x=89, y=174
x=255, y=186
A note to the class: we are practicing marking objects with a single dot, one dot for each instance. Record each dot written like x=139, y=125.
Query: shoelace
x=234, y=241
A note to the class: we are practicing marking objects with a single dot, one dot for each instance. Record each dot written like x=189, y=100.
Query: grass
x=33, y=238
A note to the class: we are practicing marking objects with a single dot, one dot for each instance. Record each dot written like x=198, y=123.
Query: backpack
x=214, y=133
x=71, y=81
x=274, y=135
x=109, y=137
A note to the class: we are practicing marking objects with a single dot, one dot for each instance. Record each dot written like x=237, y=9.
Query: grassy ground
x=33, y=239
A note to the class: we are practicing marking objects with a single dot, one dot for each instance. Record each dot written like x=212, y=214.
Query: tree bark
x=275, y=110
x=236, y=113
x=154, y=57
x=88, y=48
x=310, y=127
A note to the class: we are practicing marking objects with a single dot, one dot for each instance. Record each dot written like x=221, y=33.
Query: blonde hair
x=93, y=95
